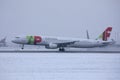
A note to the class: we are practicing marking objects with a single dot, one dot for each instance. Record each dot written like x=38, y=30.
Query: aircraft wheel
x=61, y=49
x=22, y=46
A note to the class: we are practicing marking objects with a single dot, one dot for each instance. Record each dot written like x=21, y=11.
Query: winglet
x=88, y=37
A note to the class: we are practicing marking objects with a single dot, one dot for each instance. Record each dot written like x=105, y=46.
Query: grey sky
x=67, y=18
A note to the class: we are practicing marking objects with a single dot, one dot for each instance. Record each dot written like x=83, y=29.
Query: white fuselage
x=79, y=43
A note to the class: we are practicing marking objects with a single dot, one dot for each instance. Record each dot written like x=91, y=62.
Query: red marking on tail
x=106, y=33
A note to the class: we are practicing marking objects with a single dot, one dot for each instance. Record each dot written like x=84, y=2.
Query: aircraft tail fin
x=3, y=40
x=106, y=34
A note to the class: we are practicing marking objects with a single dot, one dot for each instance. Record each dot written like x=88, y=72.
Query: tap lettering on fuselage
x=34, y=39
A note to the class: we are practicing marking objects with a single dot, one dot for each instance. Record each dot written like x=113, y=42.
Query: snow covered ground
x=59, y=66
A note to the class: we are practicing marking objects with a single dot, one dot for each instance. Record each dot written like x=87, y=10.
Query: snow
x=59, y=66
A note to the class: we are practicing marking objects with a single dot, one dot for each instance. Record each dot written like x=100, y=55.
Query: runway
x=44, y=51
x=55, y=66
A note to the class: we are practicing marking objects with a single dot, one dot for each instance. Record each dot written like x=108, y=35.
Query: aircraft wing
x=64, y=44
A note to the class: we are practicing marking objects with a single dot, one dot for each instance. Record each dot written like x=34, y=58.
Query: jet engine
x=51, y=46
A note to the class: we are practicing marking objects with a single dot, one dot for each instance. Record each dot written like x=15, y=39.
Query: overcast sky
x=66, y=18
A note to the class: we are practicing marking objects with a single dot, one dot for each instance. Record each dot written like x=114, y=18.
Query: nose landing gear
x=22, y=46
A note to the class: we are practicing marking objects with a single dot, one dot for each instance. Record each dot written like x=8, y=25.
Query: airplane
x=3, y=42
x=62, y=43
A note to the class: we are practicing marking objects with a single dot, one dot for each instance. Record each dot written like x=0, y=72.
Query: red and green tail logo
x=106, y=34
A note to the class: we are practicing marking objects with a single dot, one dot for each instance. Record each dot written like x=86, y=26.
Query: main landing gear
x=61, y=49
x=22, y=46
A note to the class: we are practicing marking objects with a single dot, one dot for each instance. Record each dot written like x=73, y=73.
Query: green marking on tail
x=100, y=37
